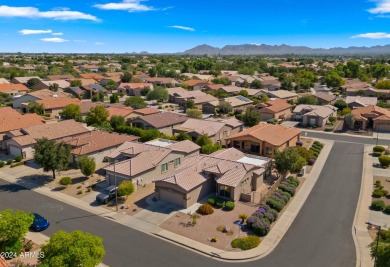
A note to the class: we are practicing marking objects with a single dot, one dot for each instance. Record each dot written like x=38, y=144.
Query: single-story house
x=373, y=117
x=217, y=131
x=23, y=80
x=196, y=84
x=94, y=76
x=62, y=84
x=314, y=115
x=274, y=109
x=360, y=101
x=164, y=122
x=271, y=83
x=132, y=89
x=53, y=106
x=161, y=81
x=66, y=77
x=17, y=101
x=229, y=173
x=231, y=90
x=143, y=112
x=283, y=94
x=179, y=95
x=325, y=99
x=124, y=112
x=144, y=163
x=264, y=139
x=13, y=89
x=239, y=102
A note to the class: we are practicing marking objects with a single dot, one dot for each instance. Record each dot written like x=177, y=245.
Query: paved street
x=320, y=236
x=346, y=138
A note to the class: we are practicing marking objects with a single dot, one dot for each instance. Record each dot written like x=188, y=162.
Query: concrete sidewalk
x=267, y=246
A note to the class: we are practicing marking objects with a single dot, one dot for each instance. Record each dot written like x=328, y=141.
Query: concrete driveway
x=290, y=124
x=157, y=213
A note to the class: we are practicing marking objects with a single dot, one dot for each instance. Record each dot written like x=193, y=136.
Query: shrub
x=220, y=228
x=274, y=212
x=89, y=189
x=10, y=161
x=377, y=154
x=246, y=243
x=213, y=239
x=377, y=193
x=13, y=165
x=377, y=183
x=2, y=164
x=252, y=220
x=378, y=205
x=212, y=200
x=285, y=194
x=387, y=209
x=288, y=189
x=265, y=207
x=276, y=205
x=18, y=158
x=384, y=161
x=292, y=180
x=311, y=161
x=219, y=203
x=206, y=209
x=329, y=129
x=270, y=216
x=13, y=247
x=79, y=192
x=229, y=205
x=378, y=149
x=243, y=216
x=261, y=228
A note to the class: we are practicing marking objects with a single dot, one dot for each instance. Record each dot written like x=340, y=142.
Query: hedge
x=378, y=205
x=246, y=243
x=261, y=227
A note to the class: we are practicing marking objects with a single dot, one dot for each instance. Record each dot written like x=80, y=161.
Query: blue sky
x=118, y=26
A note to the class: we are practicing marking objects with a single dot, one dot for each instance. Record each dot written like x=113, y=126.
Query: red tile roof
x=11, y=120
x=58, y=103
x=4, y=88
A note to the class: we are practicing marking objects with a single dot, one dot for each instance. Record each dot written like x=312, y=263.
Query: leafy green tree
x=190, y=104
x=114, y=98
x=98, y=97
x=54, y=87
x=117, y=121
x=145, y=90
x=72, y=249
x=221, y=80
x=251, y=117
x=152, y=72
x=264, y=98
x=87, y=165
x=346, y=111
x=340, y=104
x=354, y=68
x=307, y=100
x=110, y=85
x=286, y=160
x=34, y=107
x=76, y=83
x=244, y=93
x=105, y=126
x=256, y=84
x=210, y=148
x=225, y=107
x=159, y=93
x=135, y=102
x=350, y=120
x=203, y=140
x=125, y=188
x=97, y=115
x=383, y=256
x=126, y=77
x=32, y=82
x=384, y=84
x=5, y=99
x=71, y=111
x=14, y=225
x=52, y=156
x=333, y=79
x=193, y=113
x=183, y=136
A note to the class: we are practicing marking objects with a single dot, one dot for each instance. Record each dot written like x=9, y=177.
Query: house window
x=164, y=167
x=224, y=191
x=225, y=134
x=177, y=162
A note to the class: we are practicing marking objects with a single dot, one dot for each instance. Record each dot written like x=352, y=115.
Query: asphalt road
x=321, y=235
x=346, y=138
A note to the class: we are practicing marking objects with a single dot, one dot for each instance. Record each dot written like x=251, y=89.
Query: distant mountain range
x=263, y=49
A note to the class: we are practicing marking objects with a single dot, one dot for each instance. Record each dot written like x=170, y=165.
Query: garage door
x=312, y=122
x=15, y=151
x=171, y=197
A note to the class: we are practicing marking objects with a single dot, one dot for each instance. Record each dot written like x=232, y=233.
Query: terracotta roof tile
x=146, y=111
x=4, y=88
x=58, y=103
x=274, y=106
x=10, y=120
x=164, y=119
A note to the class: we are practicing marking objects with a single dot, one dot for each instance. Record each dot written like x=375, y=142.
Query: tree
x=346, y=111
x=72, y=249
x=256, y=84
x=32, y=82
x=117, y=121
x=210, y=148
x=52, y=156
x=340, y=104
x=86, y=165
x=34, y=107
x=159, y=93
x=203, y=140
x=383, y=256
x=110, y=85
x=135, y=102
x=114, y=98
x=183, y=136
x=307, y=100
x=221, y=80
x=190, y=104
x=243, y=93
x=350, y=121
x=225, y=107
x=76, y=83
x=14, y=225
x=333, y=79
x=71, y=111
x=98, y=97
x=251, y=117
x=54, y=87
x=145, y=90
x=194, y=113
x=126, y=77
x=286, y=160
x=152, y=71
x=97, y=115
x=264, y=98
x=125, y=188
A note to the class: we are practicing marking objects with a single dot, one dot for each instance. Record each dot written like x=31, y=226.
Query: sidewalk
x=381, y=136
x=267, y=246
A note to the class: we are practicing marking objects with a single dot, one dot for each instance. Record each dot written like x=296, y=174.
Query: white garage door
x=171, y=197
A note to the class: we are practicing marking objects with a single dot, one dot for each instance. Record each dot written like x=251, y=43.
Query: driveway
x=290, y=124
x=157, y=213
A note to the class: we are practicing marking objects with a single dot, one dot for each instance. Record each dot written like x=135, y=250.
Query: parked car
x=39, y=223
x=107, y=194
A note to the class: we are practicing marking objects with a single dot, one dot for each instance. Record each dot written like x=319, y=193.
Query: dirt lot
x=386, y=186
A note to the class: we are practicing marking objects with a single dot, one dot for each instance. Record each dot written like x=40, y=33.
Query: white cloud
x=79, y=41
x=182, y=28
x=99, y=43
x=54, y=40
x=373, y=35
x=382, y=7
x=128, y=5
x=32, y=12
x=28, y=32
x=57, y=33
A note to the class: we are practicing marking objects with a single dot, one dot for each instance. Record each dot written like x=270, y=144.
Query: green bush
x=275, y=204
x=378, y=149
x=378, y=205
x=212, y=200
x=377, y=183
x=329, y=129
x=13, y=247
x=206, y=209
x=18, y=158
x=2, y=163
x=377, y=193
x=229, y=205
x=377, y=154
x=17, y=164
x=79, y=192
x=10, y=161
x=292, y=180
x=384, y=161
x=65, y=181
x=387, y=209
x=246, y=243
x=220, y=203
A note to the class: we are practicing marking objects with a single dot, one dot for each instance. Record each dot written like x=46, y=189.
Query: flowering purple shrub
x=270, y=216
x=264, y=206
x=261, y=210
x=261, y=228
x=311, y=161
x=252, y=220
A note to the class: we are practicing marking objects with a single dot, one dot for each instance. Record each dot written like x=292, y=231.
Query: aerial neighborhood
x=191, y=147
